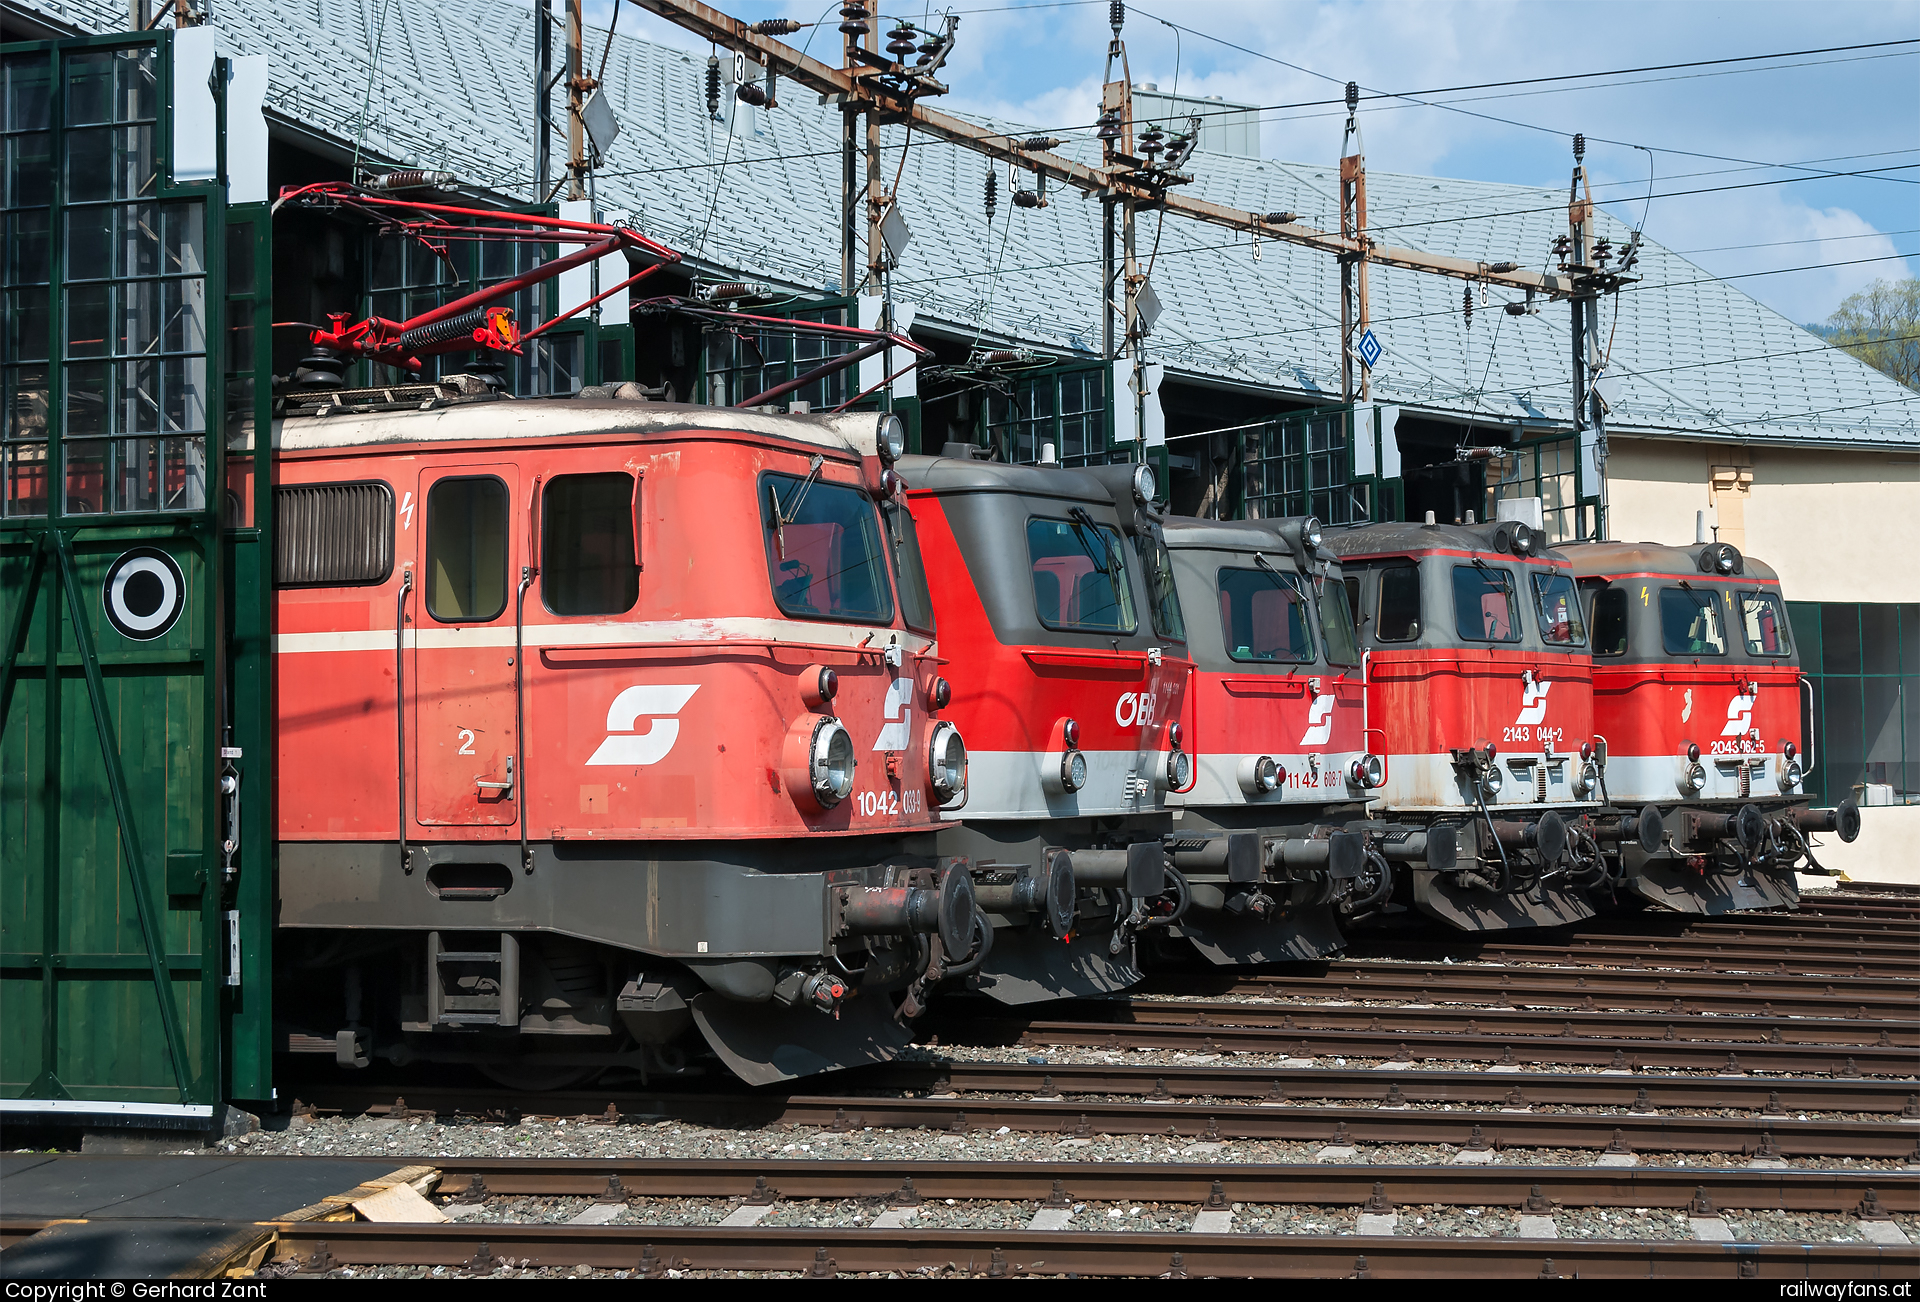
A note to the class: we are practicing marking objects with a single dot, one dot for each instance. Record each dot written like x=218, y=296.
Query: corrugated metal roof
x=759, y=193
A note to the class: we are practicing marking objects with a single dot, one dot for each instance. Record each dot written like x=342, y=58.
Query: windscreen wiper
x=784, y=513
x=1083, y=521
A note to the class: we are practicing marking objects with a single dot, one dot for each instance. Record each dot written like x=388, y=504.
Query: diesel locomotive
x=563, y=687
x=1696, y=703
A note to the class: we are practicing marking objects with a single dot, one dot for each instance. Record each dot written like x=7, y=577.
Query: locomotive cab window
x=1336, y=625
x=1080, y=579
x=1483, y=604
x=909, y=571
x=1764, y=624
x=1399, y=604
x=467, y=549
x=1610, y=622
x=825, y=553
x=1690, y=623
x=1264, y=616
x=586, y=545
x=1558, y=606
x=1168, y=622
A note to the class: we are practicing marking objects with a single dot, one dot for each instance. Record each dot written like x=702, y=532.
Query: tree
x=1880, y=325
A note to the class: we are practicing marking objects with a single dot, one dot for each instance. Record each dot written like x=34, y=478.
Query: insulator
x=900, y=44
x=1116, y=15
x=930, y=46
x=1501, y=268
x=1602, y=252
x=1040, y=142
x=1516, y=309
x=855, y=15
x=412, y=178
x=1025, y=199
x=749, y=92
x=1109, y=125
x=1353, y=96
x=1466, y=304
x=776, y=27
x=1000, y=357
x=1579, y=145
x=1280, y=218
x=713, y=85
x=993, y=192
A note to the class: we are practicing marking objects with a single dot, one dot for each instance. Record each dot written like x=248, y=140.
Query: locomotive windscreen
x=1080, y=578
x=1559, y=610
x=1690, y=623
x=1336, y=625
x=826, y=559
x=1765, y=625
x=1264, y=616
x=1483, y=605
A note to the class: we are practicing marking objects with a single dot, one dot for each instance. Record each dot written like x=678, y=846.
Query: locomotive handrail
x=1094, y=661
x=1812, y=701
x=400, y=704
x=1255, y=685
x=520, y=704
x=703, y=646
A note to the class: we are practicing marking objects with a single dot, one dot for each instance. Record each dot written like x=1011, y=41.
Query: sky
x=1667, y=132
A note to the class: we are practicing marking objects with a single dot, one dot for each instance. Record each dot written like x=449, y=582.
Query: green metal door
x=135, y=852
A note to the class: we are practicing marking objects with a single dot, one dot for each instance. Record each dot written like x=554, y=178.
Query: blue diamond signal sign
x=1369, y=349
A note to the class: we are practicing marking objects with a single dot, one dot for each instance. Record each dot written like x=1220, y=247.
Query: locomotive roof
x=1610, y=559
x=1395, y=536
x=965, y=475
x=1225, y=535
x=852, y=433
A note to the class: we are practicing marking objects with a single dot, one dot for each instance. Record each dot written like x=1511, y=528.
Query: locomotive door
x=467, y=558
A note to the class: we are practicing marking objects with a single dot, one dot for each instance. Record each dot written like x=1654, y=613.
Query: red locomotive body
x=1276, y=717
x=1478, y=677
x=1697, y=694
x=563, y=685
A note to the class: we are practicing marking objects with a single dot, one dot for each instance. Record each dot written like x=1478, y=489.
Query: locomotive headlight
x=1073, y=770
x=1522, y=539
x=1179, y=769
x=1695, y=779
x=890, y=439
x=1310, y=531
x=832, y=763
x=1367, y=771
x=1588, y=780
x=1143, y=484
x=1791, y=775
x=947, y=762
x=1259, y=775
x=1491, y=781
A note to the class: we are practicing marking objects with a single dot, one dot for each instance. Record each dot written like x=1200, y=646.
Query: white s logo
x=1533, y=702
x=625, y=746
x=1319, y=722
x=1739, y=716
x=898, y=734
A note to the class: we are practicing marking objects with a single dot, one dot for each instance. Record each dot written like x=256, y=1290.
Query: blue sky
x=1042, y=63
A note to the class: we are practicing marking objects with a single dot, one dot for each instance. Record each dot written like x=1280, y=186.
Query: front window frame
x=1287, y=583
x=1706, y=599
x=1576, y=629
x=1123, y=590
x=765, y=492
x=1511, y=587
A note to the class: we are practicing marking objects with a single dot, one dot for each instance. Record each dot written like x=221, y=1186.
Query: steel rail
x=1655, y=955
x=1306, y=1123
x=899, y=1181
x=1738, y=1029
x=822, y=1252
x=1845, y=989
x=1729, y=1056
x=1207, y=1081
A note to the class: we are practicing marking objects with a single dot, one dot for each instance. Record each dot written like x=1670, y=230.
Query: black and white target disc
x=144, y=593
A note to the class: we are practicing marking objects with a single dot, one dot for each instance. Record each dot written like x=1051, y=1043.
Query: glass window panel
x=467, y=549
x=1399, y=604
x=29, y=92
x=827, y=560
x=1879, y=638
x=239, y=259
x=138, y=409
x=1336, y=625
x=184, y=240
x=1163, y=595
x=161, y=475
x=86, y=475
x=28, y=178
x=1840, y=638
x=1483, y=604
x=89, y=387
x=90, y=243
x=1610, y=622
x=1263, y=616
x=1764, y=624
x=586, y=550
x=183, y=388
x=23, y=334
x=24, y=394
x=89, y=316
x=183, y=308
x=1080, y=579
x=1558, y=606
x=110, y=86
x=1690, y=623
x=909, y=572
x=24, y=250
x=24, y=475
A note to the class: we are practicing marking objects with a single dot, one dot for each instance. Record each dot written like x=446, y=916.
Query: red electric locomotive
x=564, y=686
x=1057, y=584
x=1275, y=721
x=1697, y=694
x=1478, y=678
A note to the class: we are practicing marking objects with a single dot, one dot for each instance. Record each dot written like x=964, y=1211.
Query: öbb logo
x=1319, y=722
x=625, y=746
x=1533, y=701
x=1134, y=708
x=1739, y=716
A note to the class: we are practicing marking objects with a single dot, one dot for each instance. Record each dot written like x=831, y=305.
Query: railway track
x=1687, y=954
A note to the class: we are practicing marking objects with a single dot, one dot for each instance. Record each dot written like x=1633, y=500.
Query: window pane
x=909, y=572
x=29, y=93
x=1483, y=604
x=1764, y=624
x=1399, y=604
x=86, y=476
x=1264, y=616
x=1840, y=638
x=1559, y=610
x=1610, y=622
x=1690, y=623
x=26, y=327
x=467, y=549
x=25, y=479
x=1080, y=579
x=1161, y=592
x=27, y=181
x=586, y=549
x=823, y=543
x=23, y=249
x=23, y=406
